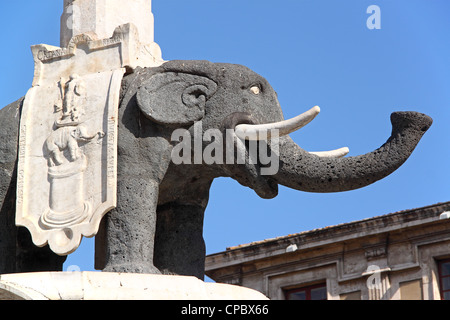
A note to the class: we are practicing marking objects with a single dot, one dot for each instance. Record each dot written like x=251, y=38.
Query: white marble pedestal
x=116, y=286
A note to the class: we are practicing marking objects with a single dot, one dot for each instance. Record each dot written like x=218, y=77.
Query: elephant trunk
x=83, y=135
x=304, y=171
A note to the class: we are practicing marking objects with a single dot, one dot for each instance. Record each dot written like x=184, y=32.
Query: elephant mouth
x=247, y=174
x=253, y=131
x=238, y=118
x=245, y=128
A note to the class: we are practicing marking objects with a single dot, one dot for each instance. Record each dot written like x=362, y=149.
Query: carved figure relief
x=68, y=142
x=67, y=139
x=72, y=102
x=67, y=155
x=66, y=160
x=65, y=134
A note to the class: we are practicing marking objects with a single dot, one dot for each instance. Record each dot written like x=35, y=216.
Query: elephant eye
x=255, y=89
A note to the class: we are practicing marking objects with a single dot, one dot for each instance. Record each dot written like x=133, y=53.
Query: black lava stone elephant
x=157, y=225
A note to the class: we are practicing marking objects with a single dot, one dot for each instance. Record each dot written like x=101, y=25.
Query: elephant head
x=80, y=133
x=228, y=96
x=158, y=221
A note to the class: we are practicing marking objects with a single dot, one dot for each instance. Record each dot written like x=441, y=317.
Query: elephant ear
x=175, y=98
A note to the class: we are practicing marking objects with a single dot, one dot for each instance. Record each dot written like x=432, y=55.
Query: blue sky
x=313, y=53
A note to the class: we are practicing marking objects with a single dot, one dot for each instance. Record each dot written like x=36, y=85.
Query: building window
x=315, y=292
x=444, y=279
x=355, y=295
x=411, y=290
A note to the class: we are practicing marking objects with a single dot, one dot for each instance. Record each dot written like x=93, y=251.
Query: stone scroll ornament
x=67, y=172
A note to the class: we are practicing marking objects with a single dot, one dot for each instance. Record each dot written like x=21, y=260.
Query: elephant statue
x=157, y=225
x=66, y=138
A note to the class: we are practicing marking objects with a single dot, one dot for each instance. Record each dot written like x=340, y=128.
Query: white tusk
x=338, y=153
x=263, y=131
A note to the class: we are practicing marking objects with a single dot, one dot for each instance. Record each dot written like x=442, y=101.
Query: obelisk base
x=116, y=286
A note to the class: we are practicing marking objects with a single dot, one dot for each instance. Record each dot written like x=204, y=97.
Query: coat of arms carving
x=68, y=136
x=67, y=158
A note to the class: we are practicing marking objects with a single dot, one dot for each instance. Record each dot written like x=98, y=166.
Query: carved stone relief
x=68, y=156
x=68, y=135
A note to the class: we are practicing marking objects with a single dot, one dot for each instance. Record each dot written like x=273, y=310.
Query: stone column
x=103, y=16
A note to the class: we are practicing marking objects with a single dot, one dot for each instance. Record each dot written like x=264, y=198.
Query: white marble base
x=116, y=286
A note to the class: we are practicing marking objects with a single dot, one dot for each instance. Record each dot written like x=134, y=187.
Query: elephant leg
x=8, y=229
x=17, y=252
x=50, y=161
x=31, y=258
x=179, y=245
x=54, y=155
x=72, y=145
x=130, y=227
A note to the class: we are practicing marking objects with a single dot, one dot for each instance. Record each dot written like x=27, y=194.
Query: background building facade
x=398, y=256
